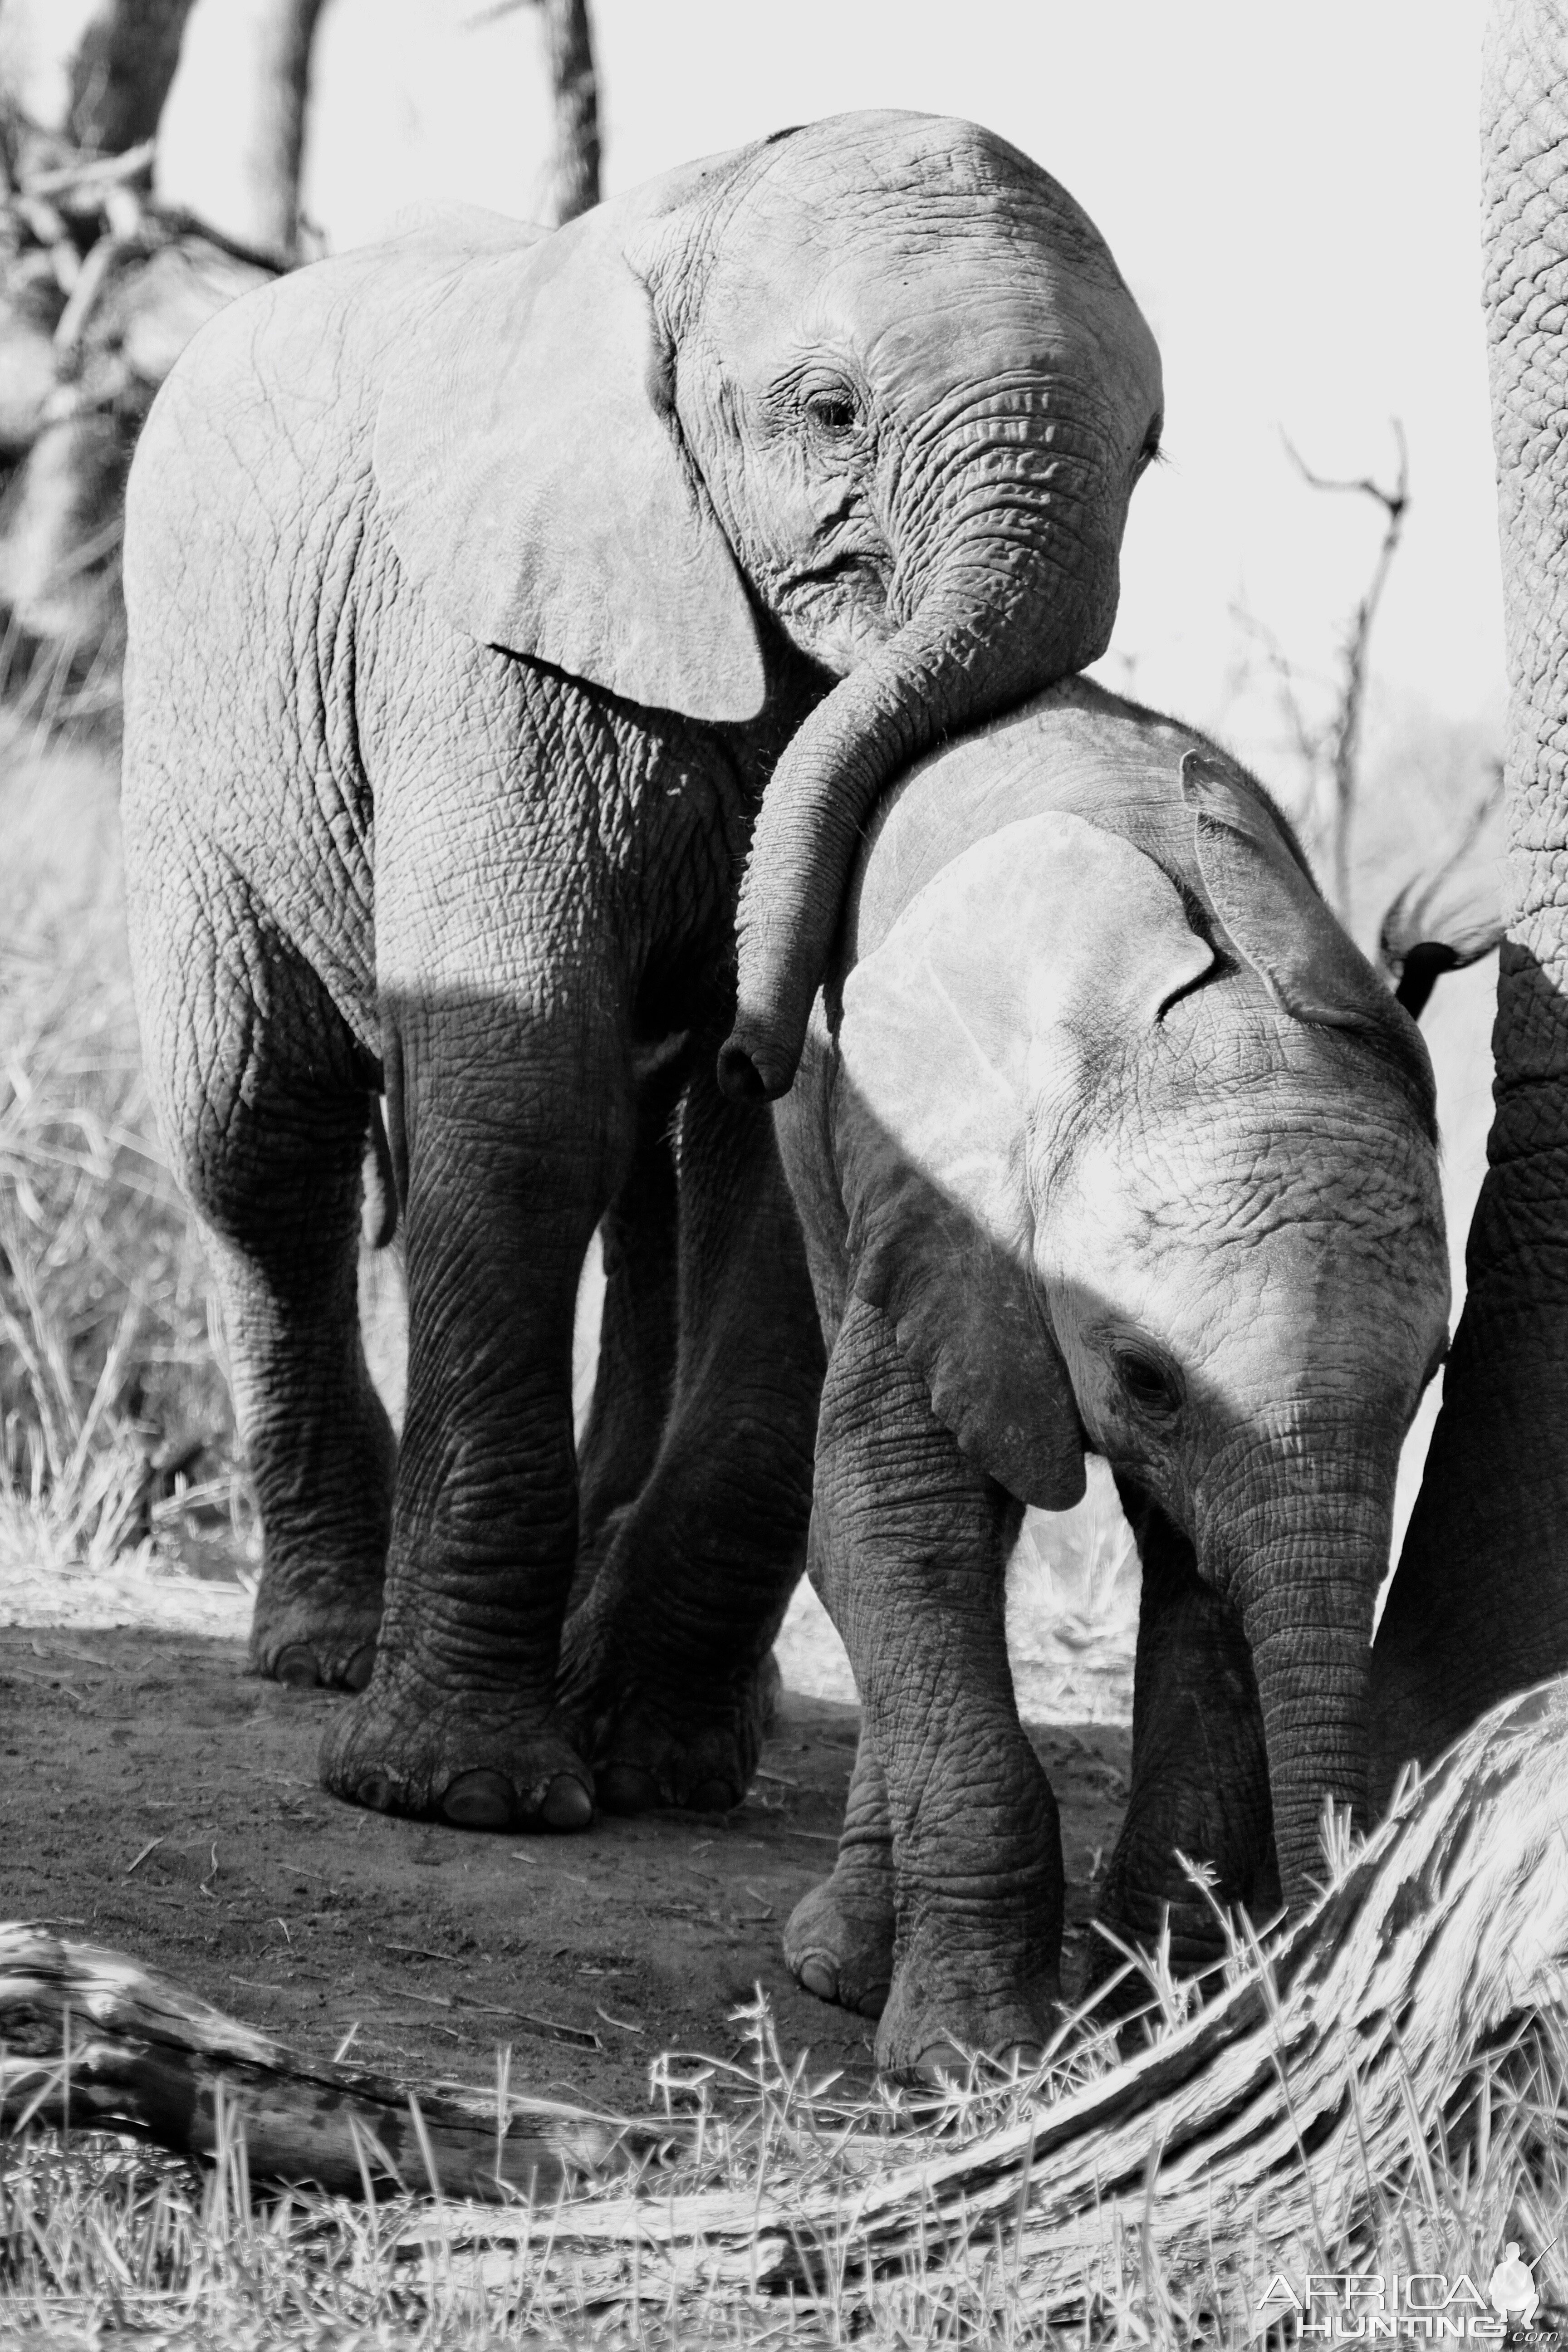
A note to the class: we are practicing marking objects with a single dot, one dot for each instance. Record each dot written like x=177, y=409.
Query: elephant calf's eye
x=1152, y=1387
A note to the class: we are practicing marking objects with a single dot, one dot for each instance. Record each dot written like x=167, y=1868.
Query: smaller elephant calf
x=1107, y=1137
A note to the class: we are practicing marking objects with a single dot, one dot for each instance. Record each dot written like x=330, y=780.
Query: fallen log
x=1287, y=2101
x=89, y=2041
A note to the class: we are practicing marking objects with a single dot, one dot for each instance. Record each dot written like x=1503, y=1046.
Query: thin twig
x=1344, y=746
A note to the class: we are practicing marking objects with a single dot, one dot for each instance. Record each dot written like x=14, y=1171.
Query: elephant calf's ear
x=1269, y=909
x=991, y=997
x=533, y=480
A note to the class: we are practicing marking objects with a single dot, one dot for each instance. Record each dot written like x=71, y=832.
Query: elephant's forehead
x=1213, y=1258
x=899, y=234
x=1242, y=1144
x=892, y=164
x=921, y=296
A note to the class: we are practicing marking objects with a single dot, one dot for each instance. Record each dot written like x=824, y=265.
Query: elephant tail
x=378, y=1212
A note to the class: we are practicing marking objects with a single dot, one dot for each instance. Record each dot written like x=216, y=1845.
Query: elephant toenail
x=713, y=1797
x=297, y=1666
x=819, y=1979
x=567, y=1804
x=939, y=2063
x=1020, y=2057
x=626, y=1788
x=378, y=1791
x=478, y=1801
x=360, y=1667
x=872, y=2003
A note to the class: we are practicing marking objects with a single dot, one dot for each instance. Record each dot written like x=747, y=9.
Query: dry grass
x=97, y=2236
x=115, y=1420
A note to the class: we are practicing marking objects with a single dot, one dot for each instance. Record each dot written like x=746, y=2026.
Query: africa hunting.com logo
x=1347, y=2305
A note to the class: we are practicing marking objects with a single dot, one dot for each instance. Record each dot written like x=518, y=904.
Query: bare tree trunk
x=574, y=167
x=101, y=287
x=254, y=56
x=121, y=74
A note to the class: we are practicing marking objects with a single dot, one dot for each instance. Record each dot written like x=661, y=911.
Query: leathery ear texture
x=1269, y=910
x=532, y=473
x=983, y=1008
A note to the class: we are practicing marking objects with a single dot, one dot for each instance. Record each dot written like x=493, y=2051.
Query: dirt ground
x=159, y=1800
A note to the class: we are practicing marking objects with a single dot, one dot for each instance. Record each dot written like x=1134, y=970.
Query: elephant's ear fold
x=532, y=476
x=1270, y=910
x=981, y=1015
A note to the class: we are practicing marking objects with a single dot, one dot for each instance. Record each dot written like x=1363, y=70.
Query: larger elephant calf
x=476, y=585
x=1105, y=1136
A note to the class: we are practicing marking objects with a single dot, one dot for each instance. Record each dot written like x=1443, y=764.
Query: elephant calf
x=488, y=595
x=1107, y=1137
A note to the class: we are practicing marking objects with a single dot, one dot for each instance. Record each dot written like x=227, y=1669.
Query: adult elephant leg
x=637, y=1333
x=839, y=1940
x=514, y=1131
x=1200, y=1769
x=263, y=1099
x=668, y=1666
x=1479, y=1605
x=913, y=1545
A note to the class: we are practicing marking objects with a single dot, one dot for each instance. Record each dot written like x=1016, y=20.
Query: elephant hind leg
x=667, y=1667
x=264, y=1099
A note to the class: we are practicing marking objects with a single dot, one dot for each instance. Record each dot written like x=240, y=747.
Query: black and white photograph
x=783, y=1174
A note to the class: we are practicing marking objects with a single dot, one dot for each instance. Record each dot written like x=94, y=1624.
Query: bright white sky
x=1291, y=193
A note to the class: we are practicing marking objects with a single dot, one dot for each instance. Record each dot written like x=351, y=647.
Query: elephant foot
x=838, y=1943
x=1189, y=1927
x=479, y=1763
x=652, y=1745
x=945, y=2011
x=317, y=1631
x=1148, y=1902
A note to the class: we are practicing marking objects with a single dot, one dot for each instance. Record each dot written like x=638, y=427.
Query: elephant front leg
x=1200, y=1770
x=667, y=1668
x=512, y=1143
x=912, y=1542
x=639, y=1331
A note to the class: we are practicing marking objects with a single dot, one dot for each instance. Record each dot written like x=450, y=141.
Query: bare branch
x=1345, y=737
x=93, y=2039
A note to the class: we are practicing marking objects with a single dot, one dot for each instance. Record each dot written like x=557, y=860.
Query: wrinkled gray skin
x=1479, y=1607
x=1105, y=1136
x=475, y=584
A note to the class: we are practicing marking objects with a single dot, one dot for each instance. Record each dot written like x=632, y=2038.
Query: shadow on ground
x=158, y=1799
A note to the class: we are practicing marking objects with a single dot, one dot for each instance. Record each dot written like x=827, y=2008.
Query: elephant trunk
x=1305, y=1591
x=962, y=654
